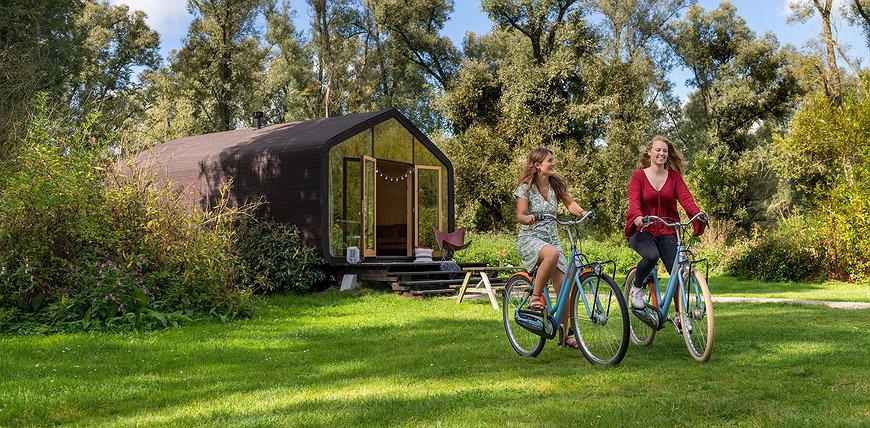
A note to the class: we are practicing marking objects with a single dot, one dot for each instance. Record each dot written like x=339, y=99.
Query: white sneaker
x=677, y=326
x=636, y=297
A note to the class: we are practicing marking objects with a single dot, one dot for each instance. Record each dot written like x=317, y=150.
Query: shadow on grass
x=371, y=359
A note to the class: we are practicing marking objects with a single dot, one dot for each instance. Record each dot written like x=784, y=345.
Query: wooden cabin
x=372, y=181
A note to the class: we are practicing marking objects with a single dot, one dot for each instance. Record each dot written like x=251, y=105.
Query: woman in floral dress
x=538, y=243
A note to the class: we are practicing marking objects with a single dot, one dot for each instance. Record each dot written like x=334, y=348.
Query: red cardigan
x=643, y=200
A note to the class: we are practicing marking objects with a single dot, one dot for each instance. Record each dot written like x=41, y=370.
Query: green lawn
x=376, y=359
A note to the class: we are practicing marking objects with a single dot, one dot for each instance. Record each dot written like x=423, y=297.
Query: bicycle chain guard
x=650, y=316
x=533, y=321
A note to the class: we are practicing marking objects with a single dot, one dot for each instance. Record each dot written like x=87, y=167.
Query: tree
x=520, y=87
x=291, y=91
x=745, y=93
x=415, y=26
x=114, y=41
x=630, y=81
x=38, y=53
x=826, y=155
x=221, y=62
x=833, y=76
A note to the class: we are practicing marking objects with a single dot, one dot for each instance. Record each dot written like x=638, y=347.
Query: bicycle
x=695, y=312
x=599, y=313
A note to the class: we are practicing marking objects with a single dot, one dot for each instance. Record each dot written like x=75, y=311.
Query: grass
x=374, y=359
x=829, y=290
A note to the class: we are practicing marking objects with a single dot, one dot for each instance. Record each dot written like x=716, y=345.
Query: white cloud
x=163, y=15
x=168, y=17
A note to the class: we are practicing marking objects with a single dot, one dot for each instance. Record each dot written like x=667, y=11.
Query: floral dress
x=535, y=236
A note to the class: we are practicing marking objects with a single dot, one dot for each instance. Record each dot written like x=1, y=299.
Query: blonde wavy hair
x=675, y=158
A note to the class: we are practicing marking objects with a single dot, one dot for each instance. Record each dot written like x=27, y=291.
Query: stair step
x=430, y=282
x=428, y=272
x=431, y=292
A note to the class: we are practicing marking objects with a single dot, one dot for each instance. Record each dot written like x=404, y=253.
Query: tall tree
x=415, y=25
x=291, y=92
x=524, y=85
x=221, y=61
x=746, y=91
x=335, y=46
x=114, y=41
x=38, y=52
x=630, y=79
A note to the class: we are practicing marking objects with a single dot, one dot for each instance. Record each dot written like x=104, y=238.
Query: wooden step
x=432, y=292
x=430, y=282
x=428, y=272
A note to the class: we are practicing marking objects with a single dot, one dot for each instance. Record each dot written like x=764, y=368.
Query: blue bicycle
x=598, y=317
x=694, y=314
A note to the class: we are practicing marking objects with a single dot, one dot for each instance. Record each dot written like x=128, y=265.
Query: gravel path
x=828, y=303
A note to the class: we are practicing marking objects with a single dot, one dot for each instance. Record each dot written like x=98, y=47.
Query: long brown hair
x=675, y=158
x=530, y=173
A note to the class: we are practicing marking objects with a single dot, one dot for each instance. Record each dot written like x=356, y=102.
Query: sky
x=171, y=20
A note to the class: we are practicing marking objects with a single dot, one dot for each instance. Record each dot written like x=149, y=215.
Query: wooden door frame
x=438, y=169
x=369, y=252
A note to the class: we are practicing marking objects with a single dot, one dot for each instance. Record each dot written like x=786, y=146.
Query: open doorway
x=393, y=218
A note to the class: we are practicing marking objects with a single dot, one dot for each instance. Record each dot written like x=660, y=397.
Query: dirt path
x=828, y=303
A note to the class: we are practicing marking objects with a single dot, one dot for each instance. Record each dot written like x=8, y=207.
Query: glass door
x=428, y=202
x=369, y=207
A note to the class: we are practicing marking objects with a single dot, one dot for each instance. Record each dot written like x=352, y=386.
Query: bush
x=86, y=244
x=273, y=258
x=790, y=252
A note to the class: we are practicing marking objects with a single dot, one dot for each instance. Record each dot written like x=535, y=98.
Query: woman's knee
x=549, y=252
x=650, y=258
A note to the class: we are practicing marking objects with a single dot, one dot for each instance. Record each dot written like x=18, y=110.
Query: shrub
x=87, y=244
x=790, y=252
x=273, y=258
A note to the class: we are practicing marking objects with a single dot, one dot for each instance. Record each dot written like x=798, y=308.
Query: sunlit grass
x=372, y=359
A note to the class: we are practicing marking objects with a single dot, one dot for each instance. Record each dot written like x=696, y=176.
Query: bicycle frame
x=683, y=260
x=576, y=268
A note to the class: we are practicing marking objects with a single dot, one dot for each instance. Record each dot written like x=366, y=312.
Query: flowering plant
x=106, y=289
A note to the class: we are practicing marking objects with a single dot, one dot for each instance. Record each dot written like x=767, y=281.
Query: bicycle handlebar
x=649, y=219
x=549, y=217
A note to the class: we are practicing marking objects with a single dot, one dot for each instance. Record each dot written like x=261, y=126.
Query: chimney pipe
x=259, y=116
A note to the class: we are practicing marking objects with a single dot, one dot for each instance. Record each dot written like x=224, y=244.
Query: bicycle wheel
x=641, y=334
x=599, y=317
x=696, y=315
x=516, y=290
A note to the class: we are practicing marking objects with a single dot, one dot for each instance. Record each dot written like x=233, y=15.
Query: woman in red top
x=655, y=189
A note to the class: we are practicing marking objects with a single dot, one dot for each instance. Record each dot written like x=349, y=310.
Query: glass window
x=393, y=142
x=345, y=191
x=428, y=198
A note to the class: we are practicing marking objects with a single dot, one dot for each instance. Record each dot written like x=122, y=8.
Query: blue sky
x=171, y=21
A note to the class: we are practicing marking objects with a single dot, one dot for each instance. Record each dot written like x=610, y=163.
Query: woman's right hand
x=638, y=221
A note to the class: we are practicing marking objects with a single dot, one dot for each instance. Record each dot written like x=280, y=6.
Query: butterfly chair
x=450, y=241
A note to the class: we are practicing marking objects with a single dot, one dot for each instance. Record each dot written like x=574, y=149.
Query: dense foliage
x=274, y=258
x=90, y=243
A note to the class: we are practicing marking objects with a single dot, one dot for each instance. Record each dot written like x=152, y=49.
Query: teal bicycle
x=598, y=315
x=694, y=314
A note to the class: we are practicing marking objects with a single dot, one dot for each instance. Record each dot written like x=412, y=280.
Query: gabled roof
x=310, y=134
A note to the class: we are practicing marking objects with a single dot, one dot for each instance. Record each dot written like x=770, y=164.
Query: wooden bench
x=484, y=285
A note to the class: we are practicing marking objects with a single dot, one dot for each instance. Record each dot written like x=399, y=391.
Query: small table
x=484, y=286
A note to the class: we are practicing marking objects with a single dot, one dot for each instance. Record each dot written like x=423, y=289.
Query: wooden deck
x=412, y=279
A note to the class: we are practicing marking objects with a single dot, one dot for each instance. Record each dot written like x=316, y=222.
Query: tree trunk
x=831, y=54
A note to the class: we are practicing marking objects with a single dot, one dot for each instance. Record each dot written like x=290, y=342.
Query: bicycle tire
x=523, y=341
x=603, y=331
x=641, y=334
x=697, y=313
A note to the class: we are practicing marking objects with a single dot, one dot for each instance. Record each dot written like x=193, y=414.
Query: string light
x=394, y=179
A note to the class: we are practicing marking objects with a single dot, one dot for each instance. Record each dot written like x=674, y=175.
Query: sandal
x=536, y=302
x=568, y=340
